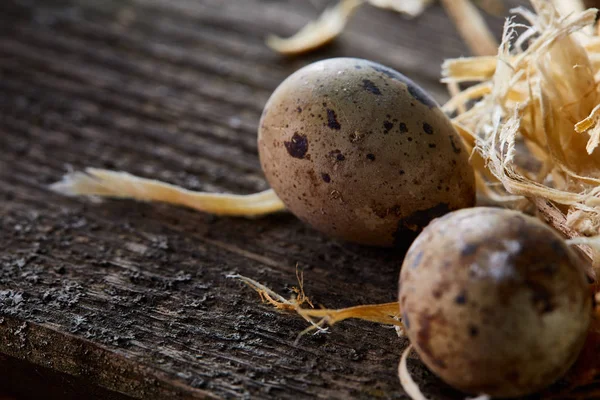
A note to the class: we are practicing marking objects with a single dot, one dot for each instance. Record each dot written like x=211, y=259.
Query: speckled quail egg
x=360, y=152
x=494, y=301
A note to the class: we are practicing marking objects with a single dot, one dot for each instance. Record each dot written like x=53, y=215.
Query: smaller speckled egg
x=360, y=152
x=494, y=301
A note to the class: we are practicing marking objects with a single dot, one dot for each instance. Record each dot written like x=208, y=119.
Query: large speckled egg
x=494, y=301
x=360, y=152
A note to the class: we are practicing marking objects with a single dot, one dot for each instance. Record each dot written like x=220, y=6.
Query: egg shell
x=494, y=301
x=360, y=152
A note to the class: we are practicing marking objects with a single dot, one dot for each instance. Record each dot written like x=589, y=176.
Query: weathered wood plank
x=133, y=297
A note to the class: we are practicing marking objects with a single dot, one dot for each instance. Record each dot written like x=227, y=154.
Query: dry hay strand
x=539, y=96
x=116, y=184
x=321, y=319
x=316, y=33
x=331, y=23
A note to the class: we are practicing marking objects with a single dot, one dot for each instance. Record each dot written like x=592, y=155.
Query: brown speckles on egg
x=461, y=298
x=332, y=121
x=298, y=146
x=427, y=128
x=371, y=157
x=473, y=331
x=387, y=125
x=326, y=178
x=370, y=87
x=402, y=127
x=312, y=177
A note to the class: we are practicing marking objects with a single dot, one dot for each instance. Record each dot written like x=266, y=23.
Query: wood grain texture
x=132, y=297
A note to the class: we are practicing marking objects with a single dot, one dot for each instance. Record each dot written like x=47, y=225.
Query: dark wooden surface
x=122, y=298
